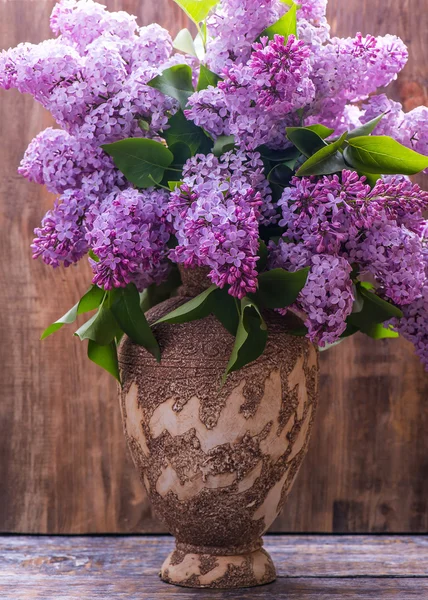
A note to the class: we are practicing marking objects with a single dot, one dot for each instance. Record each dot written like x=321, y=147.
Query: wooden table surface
x=118, y=567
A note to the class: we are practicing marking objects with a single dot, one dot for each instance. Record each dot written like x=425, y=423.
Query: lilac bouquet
x=258, y=150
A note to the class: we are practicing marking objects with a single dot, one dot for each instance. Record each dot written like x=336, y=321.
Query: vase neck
x=194, y=281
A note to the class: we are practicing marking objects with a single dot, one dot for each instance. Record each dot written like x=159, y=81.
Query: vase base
x=218, y=572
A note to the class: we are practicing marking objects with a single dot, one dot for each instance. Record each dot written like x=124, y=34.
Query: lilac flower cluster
x=129, y=237
x=61, y=239
x=348, y=70
x=93, y=80
x=234, y=27
x=327, y=298
x=413, y=325
x=93, y=77
x=215, y=214
x=254, y=99
x=379, y=230
x=62, y=162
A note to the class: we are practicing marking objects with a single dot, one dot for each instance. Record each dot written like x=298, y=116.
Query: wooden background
x=63, y=463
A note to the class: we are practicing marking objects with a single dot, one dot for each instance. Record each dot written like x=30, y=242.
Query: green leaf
x=90, y=301
x=207, y=78
x=181, y=153
x=186, y=132
x=142, y=161
x=251, y=337
x=321, y=130
x=382, y=154
x=184, y=42
x=225, y=308
x=305, y=140
x=326, y=161
x=144, y=125
x=175, y=82
x=365, y=129
x=375, y=311
x=223, y=144
x=286, y=155
x=102, y=328
x=371, y=178
x=127, y=312
x=197, y=10
x=380, y=308
x=279, y=288
x=286, y=25
x=105, y=357
x=172, y=185
x=92, y=255
x=380, y=332
x=281, y=175
x=197, y=308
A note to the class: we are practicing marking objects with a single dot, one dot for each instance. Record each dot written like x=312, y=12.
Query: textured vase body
x=217, y=461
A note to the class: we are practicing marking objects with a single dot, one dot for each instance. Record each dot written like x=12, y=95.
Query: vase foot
x=218, y=572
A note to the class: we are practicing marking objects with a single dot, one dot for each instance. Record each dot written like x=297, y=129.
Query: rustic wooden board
x=64, y=467
x=309, y=567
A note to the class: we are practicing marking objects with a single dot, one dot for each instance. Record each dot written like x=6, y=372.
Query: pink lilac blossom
x=327, y=299
x=215, y=216
x=253, y=100
x=80, y=22
x=312, y=26
x=393, y=256
x=379, y=229
x=129, y=236
x=399, y=200
x=324, y=213
x=348, y=70
x=233, y=28
x=61, y=237
x=59, y=161
x=413, y=325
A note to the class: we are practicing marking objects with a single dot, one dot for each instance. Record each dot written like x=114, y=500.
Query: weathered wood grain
x=309, y=567
x=63, y=465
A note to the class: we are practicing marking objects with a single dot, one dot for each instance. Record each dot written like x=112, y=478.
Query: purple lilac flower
x=119, y=117
x=324, y=212
x=215, y=214
x=281, y=69
x=254, y=100
x=129, y=235
x=80, y=22
x=393, y=256
x=235, y=171
x=61, y=162
x=413, y=325
x=233, y=28
x=401, y=201
x=61, y=237
x=312, y=26
x=327, y=298
x=208, y=109
x=348, y=70
x=39, y=69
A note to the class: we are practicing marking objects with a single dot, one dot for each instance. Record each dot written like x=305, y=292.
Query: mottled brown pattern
x=217, y=461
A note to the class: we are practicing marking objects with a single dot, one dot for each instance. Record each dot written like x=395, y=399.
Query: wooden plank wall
x=63, y=462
